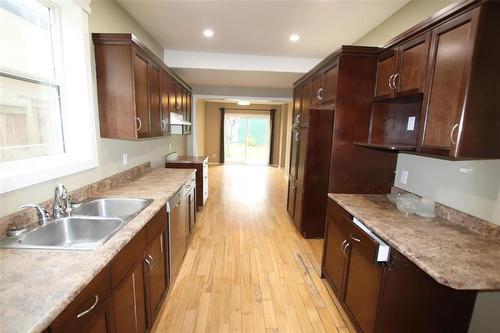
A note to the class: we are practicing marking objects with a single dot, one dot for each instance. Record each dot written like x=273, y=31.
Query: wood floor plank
x=247, y=269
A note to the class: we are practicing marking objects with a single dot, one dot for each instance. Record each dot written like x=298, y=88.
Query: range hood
x=177, y=119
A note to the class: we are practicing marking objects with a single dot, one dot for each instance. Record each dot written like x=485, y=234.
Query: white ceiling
x=231, y=78
x=250, y=47
x=260, y=27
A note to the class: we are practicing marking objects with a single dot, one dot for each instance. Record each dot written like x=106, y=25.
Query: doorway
x=247, y=138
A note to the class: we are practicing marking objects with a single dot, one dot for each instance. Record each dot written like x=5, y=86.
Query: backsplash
x=485, y=228
x=29, y=215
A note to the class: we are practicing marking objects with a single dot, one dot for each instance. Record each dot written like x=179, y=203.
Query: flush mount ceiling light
x=294, y=38
x=243, y=103
x=209, y=33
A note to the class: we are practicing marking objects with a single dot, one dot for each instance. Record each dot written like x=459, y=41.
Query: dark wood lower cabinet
x=389, y=297
x=154, y=272
x=128, y=302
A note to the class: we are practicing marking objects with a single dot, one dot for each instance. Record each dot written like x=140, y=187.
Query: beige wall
x=212, y=127
x=107, y=16
x=199, y=126
x=477, y=193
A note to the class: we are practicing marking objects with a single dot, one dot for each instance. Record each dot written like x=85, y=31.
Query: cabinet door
x=297, y=104
x=335, y=259
x=385, y=73
x=363, y=285
x=291, y=198
x=305, y=105
x=188, y=113
x=172, y=96
x=165, y=98
x=410, y=78
x=302, y=155
x=178, y=98
x=448, y=75
x=297, y=216
x=141, y=96
x=330, y=84
x=128, y=302
x=294, y=153
x=317, y=89
x=154, y=100
x=155, y=273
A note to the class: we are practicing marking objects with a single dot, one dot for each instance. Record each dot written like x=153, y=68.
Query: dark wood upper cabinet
x=305, y=105
x=165, y=100
x=412, y=66
x=297, y=105
x=155, y=101
x=134, y=99
x=449, y=72
x=401, y=70
x=141, y=74
x=324, y=86
x=387, y=66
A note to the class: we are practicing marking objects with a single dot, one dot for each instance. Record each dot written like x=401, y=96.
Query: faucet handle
x=42, y=212
x=69, y=204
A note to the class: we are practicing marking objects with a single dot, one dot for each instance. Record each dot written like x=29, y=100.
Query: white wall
x=477, y=194
x=106, y=16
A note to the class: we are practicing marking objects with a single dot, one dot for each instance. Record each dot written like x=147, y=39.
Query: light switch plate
x=411, y=124
x=125, y=158
x=404, y=176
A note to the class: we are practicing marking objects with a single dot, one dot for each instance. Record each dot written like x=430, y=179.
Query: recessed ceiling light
x=208, y=33
x=294, y=38
x=243, y=103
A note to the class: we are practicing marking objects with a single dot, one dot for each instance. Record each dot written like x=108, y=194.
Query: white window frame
x=72, y=57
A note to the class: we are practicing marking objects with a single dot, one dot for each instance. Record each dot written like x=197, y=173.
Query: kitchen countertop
x=37, y=285
x=188, y=159
x=452, y=254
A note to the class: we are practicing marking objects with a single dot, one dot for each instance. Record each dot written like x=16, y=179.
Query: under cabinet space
x=394, y=126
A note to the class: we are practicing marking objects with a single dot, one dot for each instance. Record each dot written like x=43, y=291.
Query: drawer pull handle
x=354, y=238
x=452, y=132
x=83, y=313
x=152, y=261
x=342, y=246
x=390, y=82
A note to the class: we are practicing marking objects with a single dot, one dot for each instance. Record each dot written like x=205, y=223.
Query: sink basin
x=92, y=223
x=84, y=233
x=111, y=207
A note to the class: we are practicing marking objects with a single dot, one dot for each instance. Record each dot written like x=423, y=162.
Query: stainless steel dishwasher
x=177, y=234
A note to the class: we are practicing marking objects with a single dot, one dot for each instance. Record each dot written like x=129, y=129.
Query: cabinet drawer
x=340, y=216
x=156, y=224
x=367, y=245
x=127, y=257
x=86, y=306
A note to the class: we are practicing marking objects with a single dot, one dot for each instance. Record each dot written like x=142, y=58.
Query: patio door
x=247, y=138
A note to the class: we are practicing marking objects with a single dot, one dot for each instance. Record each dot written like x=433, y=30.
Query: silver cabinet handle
x=163, y=125
x=135, y=301
x=354, y=238
x=297, y=119
x=83, y=313
x=319, y=94
x=390, y=82
x=161, y=244
x=187, y=186
x=452, y=132
x=394, y=84
x=297, y=136
x=140, y=123
x=345, y=248
x=151, y=263
x=342, y=246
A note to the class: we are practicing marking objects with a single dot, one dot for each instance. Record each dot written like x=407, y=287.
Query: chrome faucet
x=43, y=215
x=61, y=199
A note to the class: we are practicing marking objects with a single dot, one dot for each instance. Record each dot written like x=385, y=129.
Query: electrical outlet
x=467, y=171
x=411, y=124
x=404, y=176
x=124, y=158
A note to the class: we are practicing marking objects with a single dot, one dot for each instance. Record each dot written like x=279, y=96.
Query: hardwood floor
x=247, y=269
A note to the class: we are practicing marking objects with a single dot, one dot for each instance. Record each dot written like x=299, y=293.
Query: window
x=47, y=125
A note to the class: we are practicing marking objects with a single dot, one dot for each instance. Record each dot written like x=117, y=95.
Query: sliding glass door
x=246, y=138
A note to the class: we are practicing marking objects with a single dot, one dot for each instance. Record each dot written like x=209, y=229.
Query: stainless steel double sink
x=90, y=225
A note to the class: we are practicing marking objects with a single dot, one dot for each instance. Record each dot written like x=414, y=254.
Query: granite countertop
x=188, y=159
x=37, y=285
x=452, y=254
